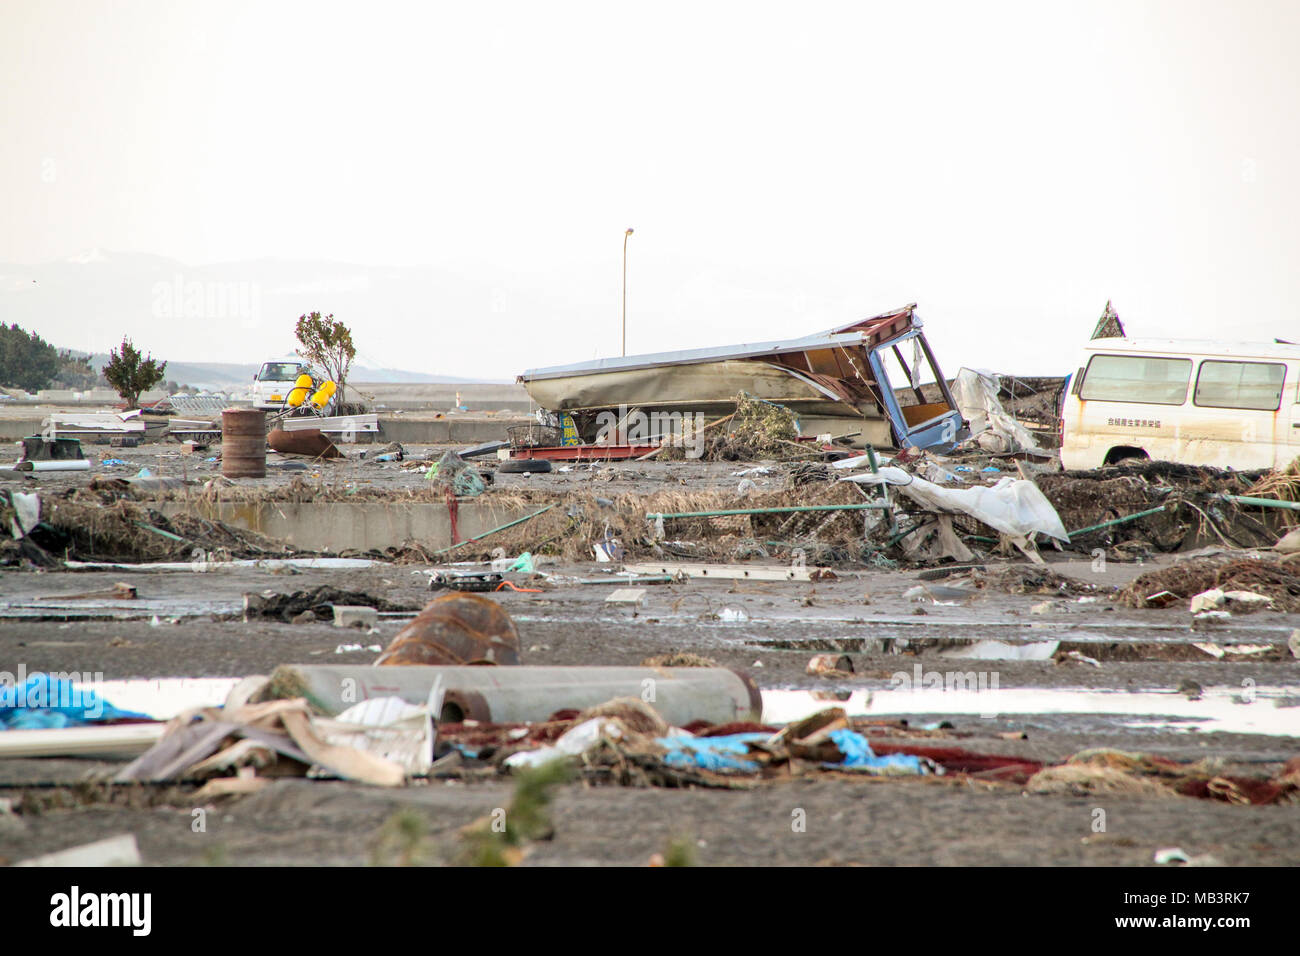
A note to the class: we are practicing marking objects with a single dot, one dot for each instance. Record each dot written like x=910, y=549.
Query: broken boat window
x=906, y=375
x=1256, y=385
x=1142, y=379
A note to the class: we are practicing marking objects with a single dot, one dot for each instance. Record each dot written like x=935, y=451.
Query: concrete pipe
x=526, y=694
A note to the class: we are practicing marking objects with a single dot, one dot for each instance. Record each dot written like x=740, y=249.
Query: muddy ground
x=769, y=629
x=166, y=459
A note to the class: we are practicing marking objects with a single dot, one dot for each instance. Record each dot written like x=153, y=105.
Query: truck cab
x=275, y=379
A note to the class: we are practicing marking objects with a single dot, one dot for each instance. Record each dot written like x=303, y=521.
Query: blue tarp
x=42, y=702
x=859, y=755
x=710, y=753
x=730, y=753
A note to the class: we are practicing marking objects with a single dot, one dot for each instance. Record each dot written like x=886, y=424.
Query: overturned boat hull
x=711, y=389
x=834, y=381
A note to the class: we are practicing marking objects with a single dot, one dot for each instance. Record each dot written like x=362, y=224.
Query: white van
x=1198, y=403
x=274, y=381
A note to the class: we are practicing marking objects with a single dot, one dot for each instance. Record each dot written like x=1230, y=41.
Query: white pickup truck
x=272, y=383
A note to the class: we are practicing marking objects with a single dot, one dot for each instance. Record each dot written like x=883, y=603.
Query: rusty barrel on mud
x=243, y=443
x=456, y=629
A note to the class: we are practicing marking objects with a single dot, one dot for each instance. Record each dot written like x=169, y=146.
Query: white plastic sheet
x=1012, y=506
x=388, y=727
x=27, y=513
x=976, y=394
x=574, y=741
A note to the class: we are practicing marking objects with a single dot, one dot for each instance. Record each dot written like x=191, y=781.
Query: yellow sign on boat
x=570, y=433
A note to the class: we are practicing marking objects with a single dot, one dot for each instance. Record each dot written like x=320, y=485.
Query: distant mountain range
x=216, y=324
x=221, y=376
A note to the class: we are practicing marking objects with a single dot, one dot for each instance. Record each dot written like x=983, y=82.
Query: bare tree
x=327, y=342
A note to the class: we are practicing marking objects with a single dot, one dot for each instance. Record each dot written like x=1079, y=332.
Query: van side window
x=1256, y=385
x=1136, y=378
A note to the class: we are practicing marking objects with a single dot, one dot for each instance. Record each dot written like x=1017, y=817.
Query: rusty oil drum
x=243, y=443
x=456, y=629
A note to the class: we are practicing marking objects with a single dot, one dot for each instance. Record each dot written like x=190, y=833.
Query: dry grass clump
x=103, y=521
x=757, y=430
x=1283, y=485
x=1277, y=579
x=577, y=520
x=635, y=714
x=679, y=659
x=1075, y=779
x=1187, y=493
x=128, y=531
x=1029, y=579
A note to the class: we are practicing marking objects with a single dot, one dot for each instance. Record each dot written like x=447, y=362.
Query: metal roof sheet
x=855, y=334
x=1206, y=347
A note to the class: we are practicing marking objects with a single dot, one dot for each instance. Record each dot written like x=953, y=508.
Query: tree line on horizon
x=30, y=363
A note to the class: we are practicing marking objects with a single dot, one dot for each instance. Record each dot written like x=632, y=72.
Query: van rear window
x=1256, y=385
x=1136, y=378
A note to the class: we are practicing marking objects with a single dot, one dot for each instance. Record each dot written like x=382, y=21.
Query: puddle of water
x=1063, y=630
x=1217, y=710
x=642, y=618
x=269, y=564
x=1074, y=629
x=1002, y=651
x=115, y=610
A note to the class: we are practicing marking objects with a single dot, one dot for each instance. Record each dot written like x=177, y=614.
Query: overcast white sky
x=786, y=168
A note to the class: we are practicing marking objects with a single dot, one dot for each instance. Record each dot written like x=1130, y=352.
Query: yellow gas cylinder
x=323, y=395
x=301, y=389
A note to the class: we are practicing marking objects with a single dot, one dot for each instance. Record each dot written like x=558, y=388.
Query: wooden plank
x=583, y=452
x=228, y=786
x=348, y=762
x=80, y=741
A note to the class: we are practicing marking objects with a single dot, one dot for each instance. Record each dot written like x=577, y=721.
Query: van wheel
x=1125, y=453
x=520, y=466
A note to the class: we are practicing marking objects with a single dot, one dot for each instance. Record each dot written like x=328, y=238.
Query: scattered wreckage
x=457, y=696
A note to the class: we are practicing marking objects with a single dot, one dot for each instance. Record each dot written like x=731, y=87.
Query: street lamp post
x=625, y=235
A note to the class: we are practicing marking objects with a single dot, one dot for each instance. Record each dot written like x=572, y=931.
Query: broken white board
x=119, y=850
x=724, y=572
x=343, y=425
